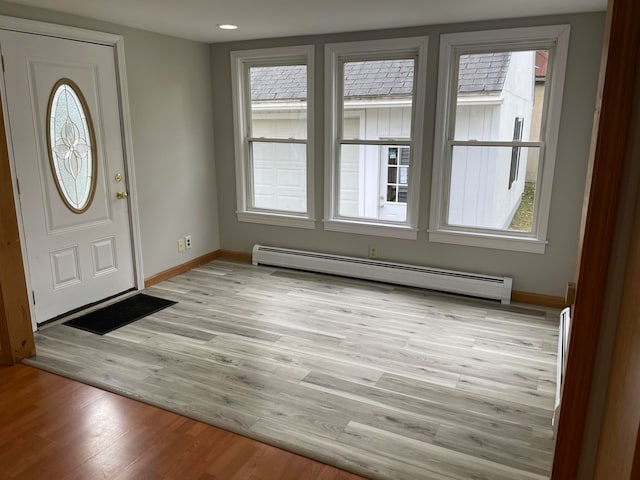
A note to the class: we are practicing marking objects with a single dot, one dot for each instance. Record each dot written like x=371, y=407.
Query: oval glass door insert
x=71, y=144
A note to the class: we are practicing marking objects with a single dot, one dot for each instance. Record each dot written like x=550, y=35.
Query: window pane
x=383, y=90
x=279, y=176
x=371, y=186
x=496, y=89
x=71, y=146
x=392, y=174
x=279, y=101
x=392, y=193
x=404, y=175
x=402, y=194
x=482, y=194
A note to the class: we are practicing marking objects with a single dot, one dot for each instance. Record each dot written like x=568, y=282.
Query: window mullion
x=302, y=141
x=386, y=141
x=495, y=143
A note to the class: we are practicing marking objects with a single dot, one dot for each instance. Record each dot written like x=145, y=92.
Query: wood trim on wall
x=183, y=267
x=635, y=470
x=17, y=331
x=5, y=346
x=538, y=299
x=603, y=182
x=196, y=262
x=621, y=417
x=233, y=255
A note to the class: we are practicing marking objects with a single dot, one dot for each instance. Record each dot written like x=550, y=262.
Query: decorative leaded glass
x=71, y=142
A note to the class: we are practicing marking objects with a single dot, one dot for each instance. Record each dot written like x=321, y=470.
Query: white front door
x=65, y=132
x=394, y=187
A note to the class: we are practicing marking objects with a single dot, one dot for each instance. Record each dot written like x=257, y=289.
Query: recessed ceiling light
x=227, y=26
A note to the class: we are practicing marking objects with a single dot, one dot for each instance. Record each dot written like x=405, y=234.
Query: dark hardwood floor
x=55, y=428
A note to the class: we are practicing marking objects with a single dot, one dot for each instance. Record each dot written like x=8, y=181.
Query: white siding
x=472, y=169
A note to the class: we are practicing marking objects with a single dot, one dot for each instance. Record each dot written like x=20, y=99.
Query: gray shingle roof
x=483, y=73
x=479, y=73
x=389, y=78
x=361, y=79
x=279, y=83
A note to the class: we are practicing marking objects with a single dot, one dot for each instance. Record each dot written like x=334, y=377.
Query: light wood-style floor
x=55, y=428
x=388, y=382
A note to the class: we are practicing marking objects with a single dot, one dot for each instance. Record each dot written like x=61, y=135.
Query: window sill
x=376, y=229
x=280, y=220
x=484, y=240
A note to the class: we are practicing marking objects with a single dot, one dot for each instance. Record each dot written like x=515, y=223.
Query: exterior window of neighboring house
x=397, y=174
x=273, y=114
x=375, y=105
x=500, y=94
x=515, y=150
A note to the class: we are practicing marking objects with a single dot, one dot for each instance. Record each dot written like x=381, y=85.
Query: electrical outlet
x=181, y=244
x=373, y=251
x=187, y=241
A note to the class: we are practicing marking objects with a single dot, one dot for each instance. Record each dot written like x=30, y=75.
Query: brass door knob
x=122, y=195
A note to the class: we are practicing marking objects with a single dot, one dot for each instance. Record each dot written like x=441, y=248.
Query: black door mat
x=119, y=314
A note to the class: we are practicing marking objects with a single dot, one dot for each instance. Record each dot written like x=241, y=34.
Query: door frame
x=610, y=158
x=117, y=43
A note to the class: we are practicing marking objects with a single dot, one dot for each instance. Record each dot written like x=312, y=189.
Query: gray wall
x=544, y=274
x=169, y=83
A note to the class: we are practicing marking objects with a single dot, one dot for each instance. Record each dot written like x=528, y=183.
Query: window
x=498, y=115
x=397, y=174
x=515, y=150
x=375, y=105
x=273, y=108
x=71, y=145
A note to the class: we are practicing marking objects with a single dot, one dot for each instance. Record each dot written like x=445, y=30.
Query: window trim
x=373, y=50
x=556, y=39
x=241, y=60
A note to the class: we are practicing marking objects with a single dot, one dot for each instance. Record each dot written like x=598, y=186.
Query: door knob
x=122, y=195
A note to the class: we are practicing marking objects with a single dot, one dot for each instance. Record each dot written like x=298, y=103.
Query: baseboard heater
x=472, y=284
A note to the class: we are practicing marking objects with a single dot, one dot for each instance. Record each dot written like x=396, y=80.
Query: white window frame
x=335, y=55
x=556, y=40
x=241, y=61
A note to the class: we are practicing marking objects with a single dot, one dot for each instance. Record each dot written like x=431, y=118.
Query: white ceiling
x=198, y=19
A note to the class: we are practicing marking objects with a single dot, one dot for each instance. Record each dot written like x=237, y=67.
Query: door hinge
x=2, y=56
x=33, y=295
x=18, y=185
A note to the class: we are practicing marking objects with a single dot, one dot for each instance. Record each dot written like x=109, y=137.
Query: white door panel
x=394, y=165
x=74, y=258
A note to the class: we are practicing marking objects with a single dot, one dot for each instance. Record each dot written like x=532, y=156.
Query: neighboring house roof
x=479, y=73
x=279, y=83
x=483, y=73
x=361, y=79
x=378, y=78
